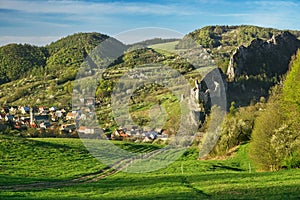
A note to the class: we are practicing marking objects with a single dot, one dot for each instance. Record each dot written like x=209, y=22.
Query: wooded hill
x=252, y=60
x=45, y=75
x=57, y=63
x=29, y=73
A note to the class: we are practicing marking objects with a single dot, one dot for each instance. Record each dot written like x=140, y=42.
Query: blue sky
x=41, y=21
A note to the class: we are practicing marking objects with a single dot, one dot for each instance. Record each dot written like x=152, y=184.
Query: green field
x=165, y=48
x=64, y=169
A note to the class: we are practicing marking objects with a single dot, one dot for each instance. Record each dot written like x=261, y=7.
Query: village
x=63, y=122
x=43, y=121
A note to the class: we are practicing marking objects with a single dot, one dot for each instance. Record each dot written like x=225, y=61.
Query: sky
x=40, y=22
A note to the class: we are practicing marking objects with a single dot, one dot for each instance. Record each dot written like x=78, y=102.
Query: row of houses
x=22, y=117
x=136, y=134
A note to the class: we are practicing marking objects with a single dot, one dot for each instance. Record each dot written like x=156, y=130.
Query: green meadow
x=52, y=168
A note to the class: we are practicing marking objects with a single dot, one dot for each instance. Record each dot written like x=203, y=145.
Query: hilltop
x=253, y=58
x=43, y=75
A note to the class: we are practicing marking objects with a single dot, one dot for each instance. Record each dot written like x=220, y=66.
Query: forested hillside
x=56, y=64
x=253, y=60
x=70, y=52
x=18, y=60
x=43, y=75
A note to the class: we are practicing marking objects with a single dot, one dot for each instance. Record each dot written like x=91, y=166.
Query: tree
x=68, y=87
x=261, y=149
x=276, y=139
x=236, y=128
x=291, y=88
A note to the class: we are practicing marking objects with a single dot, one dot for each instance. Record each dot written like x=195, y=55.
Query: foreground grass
x=24, y=161
x=29, y=160
x=217, y=185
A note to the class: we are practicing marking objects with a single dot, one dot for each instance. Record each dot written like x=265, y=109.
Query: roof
x=41, y=117
x=70, y=114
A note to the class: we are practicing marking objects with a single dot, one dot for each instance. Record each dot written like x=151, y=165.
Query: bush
x=275, y=139
x=236, y=129
x=261, y=150
x=20, y=92
x=292, y=161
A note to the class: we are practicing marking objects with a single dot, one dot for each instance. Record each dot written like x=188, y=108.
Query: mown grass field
x=165, y=48
x=27, y=161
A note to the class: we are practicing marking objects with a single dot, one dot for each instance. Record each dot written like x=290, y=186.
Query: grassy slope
x=165, y=48
x=27, y=160
x=50, y=159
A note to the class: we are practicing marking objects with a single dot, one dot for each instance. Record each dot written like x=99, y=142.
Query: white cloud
x=274, y=13
x=141, y=34
x=274, y=3
x=82, y=7
x=232, y=15
x=63, y=17
x=273, y=20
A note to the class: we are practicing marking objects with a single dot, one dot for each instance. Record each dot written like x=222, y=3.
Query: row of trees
x=275, y=142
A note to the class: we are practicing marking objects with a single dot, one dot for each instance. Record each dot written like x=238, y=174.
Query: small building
x=71, y=116
x=5, y=109
x=45, y=125
x=39, y=119
x=69, y=128
x=89, y=101
x=85, y=130
x=119, y=134
x=42, y=109
x=9, y=117
x=13, y=109
x=24, y=110
x=52, y=109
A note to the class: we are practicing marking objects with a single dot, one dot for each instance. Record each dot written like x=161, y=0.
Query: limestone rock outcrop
x=269, y=58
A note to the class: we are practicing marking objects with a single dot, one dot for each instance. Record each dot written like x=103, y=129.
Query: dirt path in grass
x=87, y=178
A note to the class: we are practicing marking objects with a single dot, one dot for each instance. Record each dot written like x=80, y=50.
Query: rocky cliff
x=268, y=58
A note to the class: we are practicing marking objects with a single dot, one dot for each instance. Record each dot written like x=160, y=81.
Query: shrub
x=275, y=138
x=236, y=129
x=292, y=161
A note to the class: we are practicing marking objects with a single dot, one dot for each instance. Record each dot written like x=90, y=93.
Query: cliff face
x=267, y=58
